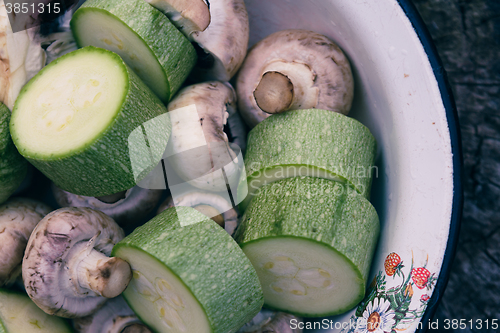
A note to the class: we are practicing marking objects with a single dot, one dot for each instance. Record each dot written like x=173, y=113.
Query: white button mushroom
x=114, y=317
x=212, y=205
x=128, y=208
x=18, y=218
x=66, y=268
x=272, y=321
x=187, y=15
x=223, y=45
x=293, y=69
x=198, y=148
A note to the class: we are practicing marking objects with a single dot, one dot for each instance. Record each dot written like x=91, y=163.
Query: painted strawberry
x=393, y=264
x=425, y=298
x=420, y=277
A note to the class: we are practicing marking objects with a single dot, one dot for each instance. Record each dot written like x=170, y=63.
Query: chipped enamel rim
x=402, y=96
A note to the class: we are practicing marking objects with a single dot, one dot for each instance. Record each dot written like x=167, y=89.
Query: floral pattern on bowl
x=395, y=300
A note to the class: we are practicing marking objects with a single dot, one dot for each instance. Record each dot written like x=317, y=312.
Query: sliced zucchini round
x=311, y=142
x=13, y=167
x=18, y=314
x=311, y=241
x=189, y=275
x=73, y=120
x=145, y=38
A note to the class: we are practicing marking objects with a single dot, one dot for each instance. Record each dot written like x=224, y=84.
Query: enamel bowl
x=402, y=96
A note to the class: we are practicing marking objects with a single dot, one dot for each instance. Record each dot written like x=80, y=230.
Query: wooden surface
x=467, y=36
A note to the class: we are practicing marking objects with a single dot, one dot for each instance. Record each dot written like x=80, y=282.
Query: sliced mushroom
x=66, y=269
x=293, y=69
x=128, y=208
x=271, y=321
x=114, y=317
x=21, y=57
x=18, y=218
x=187, y=15
x=198, y=149
x=212, y=205
x=223, y=45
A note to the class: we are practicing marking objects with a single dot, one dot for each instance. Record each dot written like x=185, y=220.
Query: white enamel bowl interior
x=398, y=99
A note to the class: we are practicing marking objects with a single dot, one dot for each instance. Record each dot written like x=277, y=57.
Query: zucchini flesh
x=18, y=314
x=305, y=277
x=146, y=40
x=13, y=167
x=73, y=121
x=68, y=108
x=189, y=275
x=160, y=298
x=311, y=241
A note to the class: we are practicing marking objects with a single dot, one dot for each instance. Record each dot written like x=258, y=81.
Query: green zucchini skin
x=205, y=250
x=172, y=49
x=20, y=304
x=13, y=167
x=326, y=212
x=104, y=166
x=339, y=147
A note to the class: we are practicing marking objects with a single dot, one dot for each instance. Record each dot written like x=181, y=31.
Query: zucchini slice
x=13, y=167
x=311, y=142
x=189, y=275
x=145, y=38
x=311, y=241
x=73, y=120
x=18, y=314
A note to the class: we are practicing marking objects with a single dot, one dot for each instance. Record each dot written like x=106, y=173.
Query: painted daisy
x=377, y=318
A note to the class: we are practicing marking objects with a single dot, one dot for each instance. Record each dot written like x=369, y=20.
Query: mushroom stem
x=103, y=275
x=136, y=328
x=274, y=94
x=286, y=86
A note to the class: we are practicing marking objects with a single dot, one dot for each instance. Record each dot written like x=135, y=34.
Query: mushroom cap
x=330, y=68
x=112, y=317
x=18, y=218
x=48, y=258
x=196, y=198
x=197, y=156
x=225, y=39
x=129, y=211
x=187, y=15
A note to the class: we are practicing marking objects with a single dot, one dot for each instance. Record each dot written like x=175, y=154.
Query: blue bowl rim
x=456, y=149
